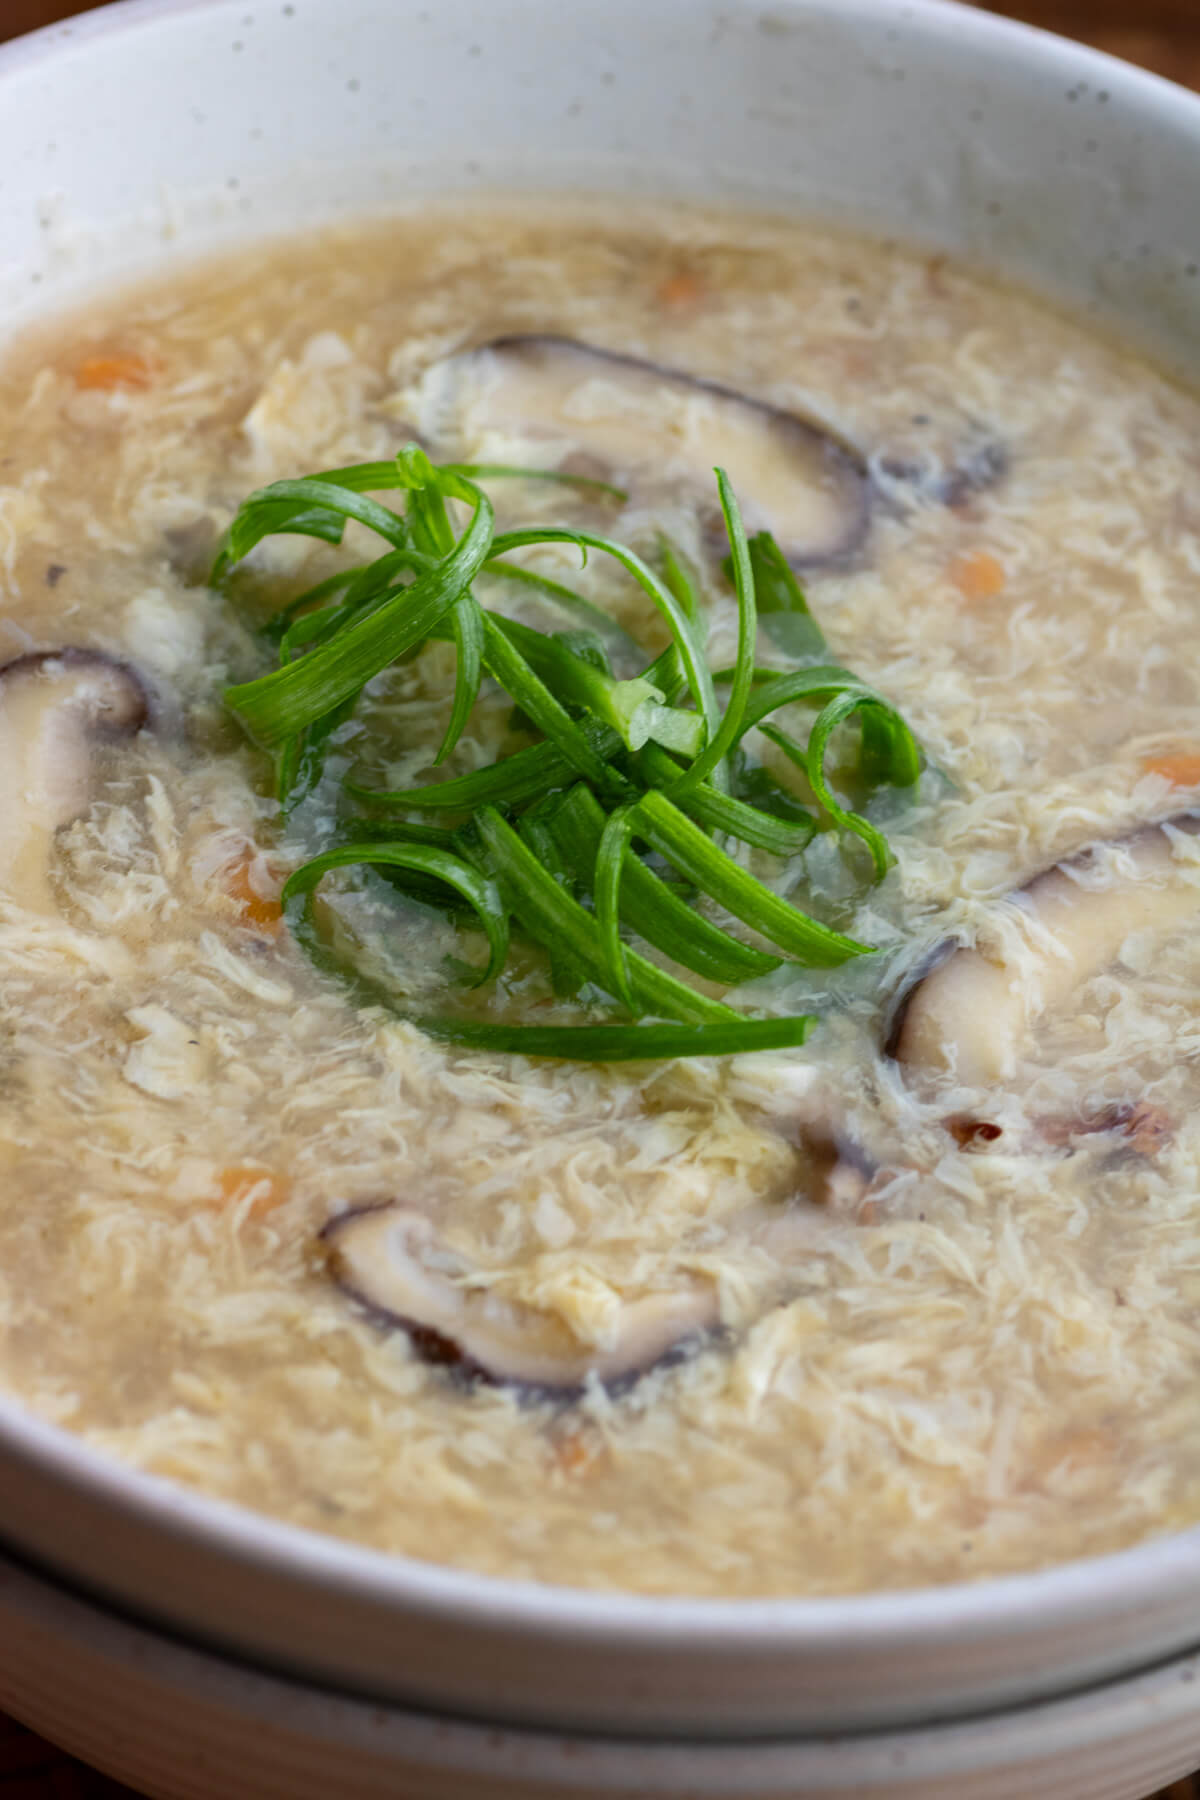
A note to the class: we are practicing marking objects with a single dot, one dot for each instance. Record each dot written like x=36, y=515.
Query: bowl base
x=178, y=1723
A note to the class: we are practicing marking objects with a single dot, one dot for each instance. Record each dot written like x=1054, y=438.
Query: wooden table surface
x=1163, y=35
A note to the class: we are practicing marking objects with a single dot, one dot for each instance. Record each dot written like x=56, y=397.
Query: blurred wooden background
x=1163, y=35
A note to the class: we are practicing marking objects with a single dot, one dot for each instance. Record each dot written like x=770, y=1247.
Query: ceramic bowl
x=181, y=1724
x=157, y=130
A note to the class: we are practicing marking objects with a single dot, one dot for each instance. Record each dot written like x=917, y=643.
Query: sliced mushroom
x=944, y=463
x=842, y=1173
x=637, y=420
x=56, y=706
x=968, y=1012
x=396, y=1264
x=1142, y=1127
x=833, y=1170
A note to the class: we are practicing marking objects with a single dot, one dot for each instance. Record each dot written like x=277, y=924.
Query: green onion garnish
x=559, y=842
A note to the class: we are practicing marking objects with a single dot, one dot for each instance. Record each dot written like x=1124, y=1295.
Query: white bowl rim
x=1073, y=1592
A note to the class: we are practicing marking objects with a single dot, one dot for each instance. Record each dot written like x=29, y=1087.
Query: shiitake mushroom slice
x=967, y=1012
x=643, y=423
x=939, y=463
x=56, y=708
x=396, y=1263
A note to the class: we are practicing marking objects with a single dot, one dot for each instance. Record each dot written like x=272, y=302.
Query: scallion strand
x=611, y=854
x=688, y=849
x=482, y=894
x=550, y=914
x=683, y=630
x=710, y=760
x=279, y=705
x=649, y=906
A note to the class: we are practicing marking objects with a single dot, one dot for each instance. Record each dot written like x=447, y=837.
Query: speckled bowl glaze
x=158, y=130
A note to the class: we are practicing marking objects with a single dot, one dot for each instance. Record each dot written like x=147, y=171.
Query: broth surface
x=985, y=1361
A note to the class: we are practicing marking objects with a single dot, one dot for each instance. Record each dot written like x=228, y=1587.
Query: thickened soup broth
x=568, y=1014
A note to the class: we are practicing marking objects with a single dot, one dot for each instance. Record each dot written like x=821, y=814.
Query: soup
x=911, y=1301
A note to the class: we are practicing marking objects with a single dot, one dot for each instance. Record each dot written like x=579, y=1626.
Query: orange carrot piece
x=978, y=575
x=680, y=291
x=108, y=370
x=242, y=1181
x=575, y=1453
x=1180, y=767
x=257, y=908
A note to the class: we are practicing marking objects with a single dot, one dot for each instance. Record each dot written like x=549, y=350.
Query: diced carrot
x=680, y=292
x=573, y=1456
x=576, y=1452
x=1180, y=767
x=250, y=1181
x=978, y=575
x=243, y=884
x=111, y=369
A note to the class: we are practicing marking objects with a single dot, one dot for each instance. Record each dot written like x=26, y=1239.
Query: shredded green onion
x=480, y=893
x=649, y=906
x=557, y=841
